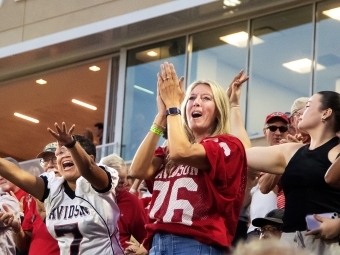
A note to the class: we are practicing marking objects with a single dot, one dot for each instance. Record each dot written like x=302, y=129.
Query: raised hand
x=292, y=139
x=62, y=135
x=234, y=89
x=9, y=219
x=170, y=88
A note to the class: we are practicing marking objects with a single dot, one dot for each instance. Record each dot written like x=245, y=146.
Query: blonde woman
x=200, y=177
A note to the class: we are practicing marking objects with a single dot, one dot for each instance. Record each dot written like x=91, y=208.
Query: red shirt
x=204, y=205
x=41, y=241
x=26, y=201
x=132, y=218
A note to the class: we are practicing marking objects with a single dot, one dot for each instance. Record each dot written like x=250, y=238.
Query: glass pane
x=140, y=106
x=280, y=64
x=219, y=55
x=327, y=46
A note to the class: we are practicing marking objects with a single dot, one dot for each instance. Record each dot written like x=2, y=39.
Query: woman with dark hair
x=81, y=211
x=303, y=168
x=199, y=177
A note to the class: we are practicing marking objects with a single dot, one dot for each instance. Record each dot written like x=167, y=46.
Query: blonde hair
x=114, y=161
x=222, y=122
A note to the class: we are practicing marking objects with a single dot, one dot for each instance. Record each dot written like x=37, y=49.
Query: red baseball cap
x=280, y=115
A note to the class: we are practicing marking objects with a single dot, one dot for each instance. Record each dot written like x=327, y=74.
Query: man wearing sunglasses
x=276, y=127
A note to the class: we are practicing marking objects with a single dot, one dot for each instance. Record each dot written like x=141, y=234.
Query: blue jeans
x=168, y=244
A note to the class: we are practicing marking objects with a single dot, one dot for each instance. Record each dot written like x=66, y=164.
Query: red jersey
x=204, y=205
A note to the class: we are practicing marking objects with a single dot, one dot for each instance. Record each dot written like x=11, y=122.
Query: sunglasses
x=282, y=129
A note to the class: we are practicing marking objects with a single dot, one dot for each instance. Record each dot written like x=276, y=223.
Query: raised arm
x=85, y=163
x=236, y=121
x=31, y=184
x=271, y=159
x=144, y=164
x=181, y=150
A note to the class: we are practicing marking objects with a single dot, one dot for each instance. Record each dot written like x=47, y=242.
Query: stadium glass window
x=140, y=106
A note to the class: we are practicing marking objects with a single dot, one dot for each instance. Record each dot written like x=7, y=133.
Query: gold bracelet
x=158, y=125
x=234, y=106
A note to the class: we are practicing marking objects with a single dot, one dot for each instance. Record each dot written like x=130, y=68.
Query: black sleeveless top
x=305, y=188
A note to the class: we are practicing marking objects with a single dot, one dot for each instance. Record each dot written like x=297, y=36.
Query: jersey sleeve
x=228, y=171
x=113, y=175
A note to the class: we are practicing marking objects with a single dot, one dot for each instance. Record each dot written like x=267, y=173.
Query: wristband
x=156, y=130
x=132, y=190
x=71, y=144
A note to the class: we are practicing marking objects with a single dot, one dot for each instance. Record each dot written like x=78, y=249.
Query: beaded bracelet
x=156, y=130
x=158, y=125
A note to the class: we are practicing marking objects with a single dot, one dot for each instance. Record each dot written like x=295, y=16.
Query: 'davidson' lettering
x=68, y=212
x=178, y=171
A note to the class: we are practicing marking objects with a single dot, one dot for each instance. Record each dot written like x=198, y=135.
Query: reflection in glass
x=280, y=67
x=327, y=46
x=140, y=106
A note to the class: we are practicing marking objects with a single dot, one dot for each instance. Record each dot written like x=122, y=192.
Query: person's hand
x=328, y=229
x=135, y=249
x=292, y=139
x=9, y=219
x=234, y=89
x=170, y=88
x=160, y=104
x=63, y=136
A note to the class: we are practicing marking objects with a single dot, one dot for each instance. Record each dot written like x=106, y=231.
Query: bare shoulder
x=334, y=153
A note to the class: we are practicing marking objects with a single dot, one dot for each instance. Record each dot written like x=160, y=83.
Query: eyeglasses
x=282, y=129
x=45, y=161
x=267, y=229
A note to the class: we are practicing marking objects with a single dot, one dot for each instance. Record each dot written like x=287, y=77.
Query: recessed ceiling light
x=152, y=53
x=26, y=117
x=240, y=39
x=143, y=89
x=41, y=81
x=94, y=68
x=333, y=13
x=231, y=2
x=302, y=65
x=84, y=104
